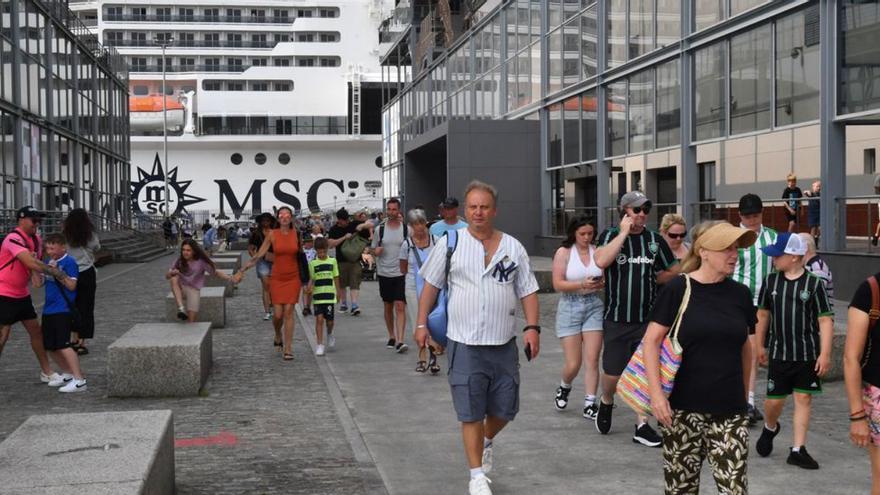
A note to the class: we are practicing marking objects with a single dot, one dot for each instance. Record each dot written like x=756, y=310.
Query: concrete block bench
x=219, y=282
x=212, y=307
x=226, y=264
x=160, y=360
x=836, y=371
x=129, y=452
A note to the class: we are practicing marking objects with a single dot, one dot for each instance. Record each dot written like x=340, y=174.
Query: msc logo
x=148, y=193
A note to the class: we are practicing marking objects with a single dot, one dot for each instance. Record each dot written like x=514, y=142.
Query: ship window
x=259, y=62
x=284, y=158
x=236, y=159
x=260, y=158
x=140, y=90
x=259, y=86
x=211, y=85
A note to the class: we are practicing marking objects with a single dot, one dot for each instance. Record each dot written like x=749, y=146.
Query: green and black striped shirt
x=324, y=272
x=795, y=307
x=631, y=280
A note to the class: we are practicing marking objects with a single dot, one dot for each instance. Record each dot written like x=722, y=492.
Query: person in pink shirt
x=20, y=265
x=187, y=277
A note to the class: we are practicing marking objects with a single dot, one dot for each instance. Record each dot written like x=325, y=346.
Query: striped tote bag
x=633, y=385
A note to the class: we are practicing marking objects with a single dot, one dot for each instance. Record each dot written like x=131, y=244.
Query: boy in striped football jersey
x=752, y=267
x=795, y=308
x=323, y=287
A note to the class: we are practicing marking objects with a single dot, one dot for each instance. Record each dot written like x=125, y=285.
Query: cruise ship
x=265, y=102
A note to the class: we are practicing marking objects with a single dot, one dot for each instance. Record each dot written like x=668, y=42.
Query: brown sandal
x=421, y=367
x=288, y=356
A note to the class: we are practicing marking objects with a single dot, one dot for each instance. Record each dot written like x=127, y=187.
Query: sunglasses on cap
x=676, y=236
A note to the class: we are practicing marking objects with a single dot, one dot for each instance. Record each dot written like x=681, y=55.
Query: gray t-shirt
x=388, y=263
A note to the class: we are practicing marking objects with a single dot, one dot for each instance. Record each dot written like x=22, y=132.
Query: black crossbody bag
x=75, y=316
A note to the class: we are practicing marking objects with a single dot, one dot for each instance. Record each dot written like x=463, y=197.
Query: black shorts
x=392, y=288
x=325, y=310
x=790, y=217
x=785, y=377
x=56, y=331
x=620, y=342
x=13, y=310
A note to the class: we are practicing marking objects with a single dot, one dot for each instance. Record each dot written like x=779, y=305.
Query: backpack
x=382, y=232
x=438, y=318
x=352, y=248
x=23, y=244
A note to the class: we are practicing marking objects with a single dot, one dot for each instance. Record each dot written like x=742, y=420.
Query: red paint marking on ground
x=222, y=438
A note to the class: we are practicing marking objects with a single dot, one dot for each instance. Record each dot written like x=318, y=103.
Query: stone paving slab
x=264, y=426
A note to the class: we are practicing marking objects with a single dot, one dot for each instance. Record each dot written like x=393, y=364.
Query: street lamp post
x=164, y=43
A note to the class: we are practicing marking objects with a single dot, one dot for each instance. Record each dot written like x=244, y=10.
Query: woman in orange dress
x=284, y=284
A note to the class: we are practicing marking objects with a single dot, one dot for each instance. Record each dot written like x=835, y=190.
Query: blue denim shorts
x=264, y=269
x=484, y=380
x=578, y=313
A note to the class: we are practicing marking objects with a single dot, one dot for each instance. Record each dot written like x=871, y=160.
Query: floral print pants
x=693, y=437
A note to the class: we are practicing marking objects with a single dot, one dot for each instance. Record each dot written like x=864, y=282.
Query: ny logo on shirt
x=503, y=270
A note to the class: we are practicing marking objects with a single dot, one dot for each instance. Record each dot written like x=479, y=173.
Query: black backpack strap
x=381, y=233
x=23, y=244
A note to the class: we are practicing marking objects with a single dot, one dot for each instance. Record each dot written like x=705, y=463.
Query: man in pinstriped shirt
x=752, y=268
x=489, y=273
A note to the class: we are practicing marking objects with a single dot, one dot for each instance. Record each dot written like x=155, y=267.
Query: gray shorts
x=484, y=380
x=620, y=342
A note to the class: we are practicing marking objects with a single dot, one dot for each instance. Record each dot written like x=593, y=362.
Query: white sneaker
x=480, y=486
x=74, y=386
x=319, y=351
x=59, y=380
x=46, y=378
x=331, y=341
x=267, y=316
x=487, y=459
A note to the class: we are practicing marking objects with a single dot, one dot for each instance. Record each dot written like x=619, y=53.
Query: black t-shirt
x=256, y=239
x=792, y=194
x=631, y=279
x=716, y=325
x=871, y=358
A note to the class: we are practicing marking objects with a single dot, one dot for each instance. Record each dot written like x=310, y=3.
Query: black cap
x=449, y=202
x=259, y=218
x=29, y=212
x=342, y=214
x=750, y=204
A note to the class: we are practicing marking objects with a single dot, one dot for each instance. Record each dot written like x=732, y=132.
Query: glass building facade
x=666, y=96
x=63, y=113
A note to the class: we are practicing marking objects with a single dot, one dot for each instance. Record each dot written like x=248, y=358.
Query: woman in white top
x=413, y=252
x=82, y=244
x=579, y=313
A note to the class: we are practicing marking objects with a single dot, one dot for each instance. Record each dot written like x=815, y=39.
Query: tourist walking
x=58, y=316
x=82, y=244
x=265, y=223
x=166, y=233
x=705, y=416
x=489, y=272
x=752, y=267
x=797, y=315
x=323, y=287
x=579, y=312
x=392, y=283
x=792, y=195
x=350, y=272
x=20, y=264
x=211, y=240
x=673, y=228
x=814, y=209
x=861, y=371
x=635, y=261
x=312, y=253
x=285, y=282
x=187, y=277
x=413, y=253
x=449, y=219
x=816, y=265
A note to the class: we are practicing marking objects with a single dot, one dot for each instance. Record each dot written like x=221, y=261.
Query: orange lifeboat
x=145, y=113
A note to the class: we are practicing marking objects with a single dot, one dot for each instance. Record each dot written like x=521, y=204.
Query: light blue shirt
x=441, y=227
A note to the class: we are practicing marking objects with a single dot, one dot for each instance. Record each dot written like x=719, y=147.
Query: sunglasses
x=646, y=208
x=676, y=236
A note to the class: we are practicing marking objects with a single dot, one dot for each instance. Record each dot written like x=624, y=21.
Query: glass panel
x=668, y=105
x=709, y=108
x=707, y=13
x=616, y=118
x=859, y=25
x=555, y=63
x=588, y=43
x=554, y=14
x=797, y=67
x=740, y=6
x=668, y=22
x=616, y=32
x=570, y=8
x=571, y=66
x=750, y=81
x=588, y=125
x=571, y=152
x=641, y=27
x=554, y=135
x=641, y=111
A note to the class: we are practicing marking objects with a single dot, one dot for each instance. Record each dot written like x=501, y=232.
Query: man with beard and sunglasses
x=635, y=261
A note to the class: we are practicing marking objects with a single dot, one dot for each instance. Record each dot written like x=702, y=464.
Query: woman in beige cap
x=705, y=417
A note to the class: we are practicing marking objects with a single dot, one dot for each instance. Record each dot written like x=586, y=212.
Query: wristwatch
x=536, y=328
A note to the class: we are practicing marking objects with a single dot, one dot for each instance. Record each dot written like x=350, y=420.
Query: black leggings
x=86, y=285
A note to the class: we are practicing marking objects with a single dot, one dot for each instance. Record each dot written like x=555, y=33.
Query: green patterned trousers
x=722, y=440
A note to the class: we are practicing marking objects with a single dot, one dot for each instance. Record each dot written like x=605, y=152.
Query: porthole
x=284, y=158
x=260, y=158
x=236, y=159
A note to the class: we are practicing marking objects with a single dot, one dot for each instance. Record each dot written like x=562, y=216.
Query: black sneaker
x=390, y=344
x=754, y=415
x=591, y=411
x=764, y=446
x=400, y=348
x=603, y=417
x=646, y=436
x=562, y=397
x=802, y=459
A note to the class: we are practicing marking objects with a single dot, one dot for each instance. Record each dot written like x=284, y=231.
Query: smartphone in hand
x=528, y=352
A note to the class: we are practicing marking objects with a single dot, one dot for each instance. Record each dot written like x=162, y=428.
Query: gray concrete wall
x=849, y=271
x=425, y=176
x=504, y=153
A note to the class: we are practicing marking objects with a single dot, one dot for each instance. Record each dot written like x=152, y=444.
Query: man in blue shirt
x=451, y=220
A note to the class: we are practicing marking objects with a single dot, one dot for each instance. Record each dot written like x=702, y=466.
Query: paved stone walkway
x=360, y=420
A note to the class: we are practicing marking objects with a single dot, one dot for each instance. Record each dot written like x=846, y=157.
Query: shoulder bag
x=633, y=385
x=438, y=317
